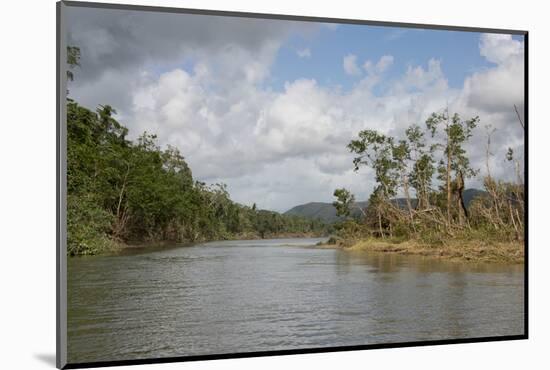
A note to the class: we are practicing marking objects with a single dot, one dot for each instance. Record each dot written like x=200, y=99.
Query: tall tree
x=423, y=165
x=456, y=132
x=375, y=150
x=401, y=155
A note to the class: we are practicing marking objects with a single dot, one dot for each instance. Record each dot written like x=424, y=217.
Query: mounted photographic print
x=236, y=184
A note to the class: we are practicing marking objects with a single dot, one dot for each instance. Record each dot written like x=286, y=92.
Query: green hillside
x=322, y=211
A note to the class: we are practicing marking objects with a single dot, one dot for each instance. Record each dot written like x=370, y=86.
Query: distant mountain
x=470, y=194
x=322, y=211
x=327, y=213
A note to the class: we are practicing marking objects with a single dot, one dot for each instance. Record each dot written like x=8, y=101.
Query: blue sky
x=458, y=52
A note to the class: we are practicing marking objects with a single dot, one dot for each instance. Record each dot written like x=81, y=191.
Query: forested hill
x=323, y=211
x=122, y=191
x=327, y=213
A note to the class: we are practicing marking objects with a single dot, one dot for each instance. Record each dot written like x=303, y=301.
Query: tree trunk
x=380, y=223
x=462, y=206
x=513, y=220
x=121, y=216
x=426, y=195
x=407, y=197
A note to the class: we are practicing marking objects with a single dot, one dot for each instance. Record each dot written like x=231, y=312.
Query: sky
x=268, y=106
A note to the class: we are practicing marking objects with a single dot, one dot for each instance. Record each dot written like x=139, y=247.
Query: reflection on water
x=241, y=296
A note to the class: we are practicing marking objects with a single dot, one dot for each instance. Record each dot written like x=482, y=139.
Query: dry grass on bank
x=459, y=249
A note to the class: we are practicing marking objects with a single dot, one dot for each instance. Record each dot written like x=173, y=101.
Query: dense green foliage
x=121, y=191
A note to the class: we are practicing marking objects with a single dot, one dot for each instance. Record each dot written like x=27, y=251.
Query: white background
x=27, y=183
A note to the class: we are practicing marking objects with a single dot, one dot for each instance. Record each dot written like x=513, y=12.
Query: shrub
x=88, y=226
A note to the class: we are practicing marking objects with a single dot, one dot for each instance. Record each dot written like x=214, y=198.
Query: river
x=264, y=295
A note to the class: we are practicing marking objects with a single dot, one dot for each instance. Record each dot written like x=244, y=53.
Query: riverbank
x=121, y=247
x=457, y=249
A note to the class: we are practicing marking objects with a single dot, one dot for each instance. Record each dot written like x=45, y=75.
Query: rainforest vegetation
x=122, y=191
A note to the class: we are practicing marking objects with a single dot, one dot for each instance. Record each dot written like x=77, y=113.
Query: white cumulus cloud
x=499, y=48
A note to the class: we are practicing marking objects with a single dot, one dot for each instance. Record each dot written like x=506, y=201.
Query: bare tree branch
x=519, y=118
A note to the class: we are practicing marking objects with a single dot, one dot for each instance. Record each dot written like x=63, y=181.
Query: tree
x=456, y=132
x=344, y=202
x=73, y=60
x=423, y=166
x=401, y=154
x=374, y=149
